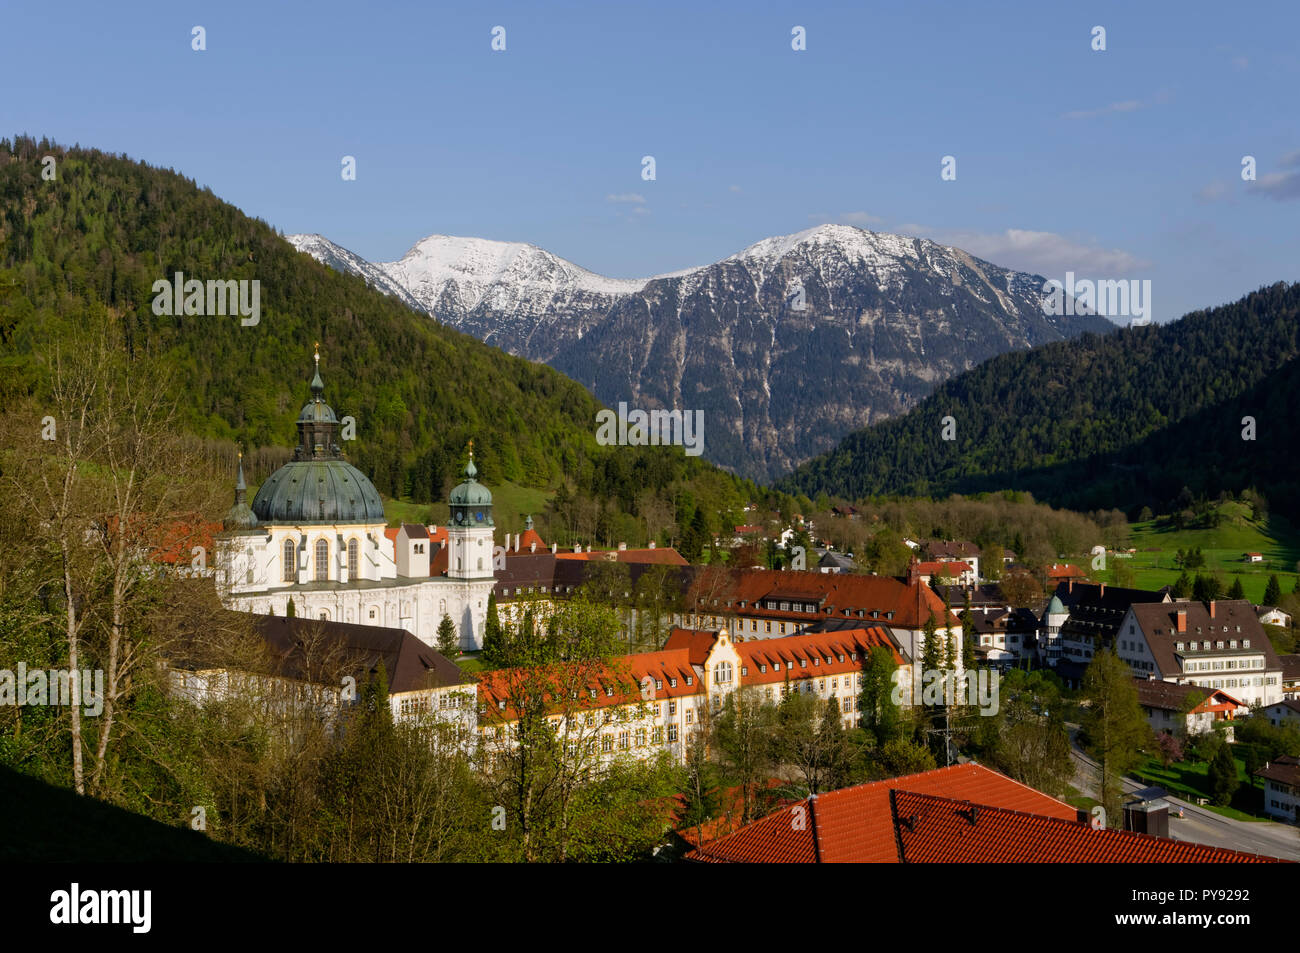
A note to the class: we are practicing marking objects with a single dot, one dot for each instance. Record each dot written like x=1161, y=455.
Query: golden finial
x=317, y=346
x=471, y=449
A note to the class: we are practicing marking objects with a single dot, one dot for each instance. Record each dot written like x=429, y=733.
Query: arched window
x=722, y=673
x=480, y=562
x=249, y=554
x=352, y=559
x=290, y=570
x=442, y=608
x=322, y=560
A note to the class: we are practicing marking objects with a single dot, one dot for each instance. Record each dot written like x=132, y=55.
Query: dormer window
x=672, y=683
x=1245, y=643
x=762, y=668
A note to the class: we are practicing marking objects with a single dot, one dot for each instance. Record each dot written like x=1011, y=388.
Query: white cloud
x=1043, y=253
x=626, y=197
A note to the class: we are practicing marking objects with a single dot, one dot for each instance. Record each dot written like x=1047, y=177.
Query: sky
x=1122, y=163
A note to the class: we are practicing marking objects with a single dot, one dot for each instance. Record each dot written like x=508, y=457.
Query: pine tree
x=1182, y=587
x=448, y=637
x=1113, y=725
x=1272, y=592
x=493, y=634
x=289, y=610
x=1237, y=591
x=1222, y=776
x=878, y=713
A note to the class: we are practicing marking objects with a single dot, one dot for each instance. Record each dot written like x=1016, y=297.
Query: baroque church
x=316, y=534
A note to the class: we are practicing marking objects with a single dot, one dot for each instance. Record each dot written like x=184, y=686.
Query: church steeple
x=318, y=427
x=240, y=516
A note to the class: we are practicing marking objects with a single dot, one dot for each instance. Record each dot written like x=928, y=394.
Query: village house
x=1287, y=711
x=1282, y=787
x=1290, y=675
x=321, y=667
x=1183, y=710
x=635, y=706
x=1218, y=644
x=1082, y=619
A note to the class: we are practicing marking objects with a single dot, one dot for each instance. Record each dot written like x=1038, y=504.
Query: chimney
x=1182, y=620
x=1211, y=608
x=652, y=544
x=622, y=547
x=554, y=548
x=1069, y=585
x=577, y=547
x=1103, y=589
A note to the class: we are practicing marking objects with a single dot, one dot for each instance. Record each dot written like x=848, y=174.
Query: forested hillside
x=105, y=228
x=1126, y=419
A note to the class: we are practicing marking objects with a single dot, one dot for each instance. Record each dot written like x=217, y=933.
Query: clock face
x=479, y=517
x=460, y=517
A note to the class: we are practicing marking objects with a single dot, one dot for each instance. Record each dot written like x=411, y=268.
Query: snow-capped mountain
x=786, y=346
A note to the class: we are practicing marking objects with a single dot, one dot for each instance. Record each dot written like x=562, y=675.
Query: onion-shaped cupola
x=318, y=485
x=471, y=501
x=240, y=517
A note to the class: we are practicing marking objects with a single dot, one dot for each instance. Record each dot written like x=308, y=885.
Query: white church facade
x=314, y=534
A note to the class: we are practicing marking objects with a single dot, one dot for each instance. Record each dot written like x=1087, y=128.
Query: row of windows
x=1205, y=646
x=322, y=560
x=1219, y=666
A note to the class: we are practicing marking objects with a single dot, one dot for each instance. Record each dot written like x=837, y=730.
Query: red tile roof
x=810, y=656
x=844, y=594
x=528, y=539
x=943, y=830
x=615, y=682
x=697, y=642
x=855, y=825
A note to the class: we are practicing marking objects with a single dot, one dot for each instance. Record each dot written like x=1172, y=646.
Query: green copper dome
x=318, y=485
x=318, y=491
x=471, y=501
x=1056, y=606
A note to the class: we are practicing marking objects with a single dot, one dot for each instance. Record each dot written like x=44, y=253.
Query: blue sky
x=1117, y=164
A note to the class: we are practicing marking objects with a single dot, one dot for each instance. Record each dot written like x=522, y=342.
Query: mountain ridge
x=884, y=318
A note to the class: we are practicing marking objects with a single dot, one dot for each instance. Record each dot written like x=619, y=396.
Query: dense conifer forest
x=1126, y=419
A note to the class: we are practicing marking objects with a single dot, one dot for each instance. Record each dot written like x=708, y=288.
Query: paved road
x=1200, y=826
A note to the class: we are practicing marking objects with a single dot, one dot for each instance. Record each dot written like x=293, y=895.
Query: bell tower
x=470, y=529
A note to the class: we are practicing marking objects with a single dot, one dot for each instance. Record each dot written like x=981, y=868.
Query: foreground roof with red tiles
x=855, y=825
x=932, y=829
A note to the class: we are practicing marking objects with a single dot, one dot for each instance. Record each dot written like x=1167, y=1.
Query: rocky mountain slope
x=786, y=346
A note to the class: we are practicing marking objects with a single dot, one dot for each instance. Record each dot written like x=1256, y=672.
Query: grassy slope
x=1222, y=547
